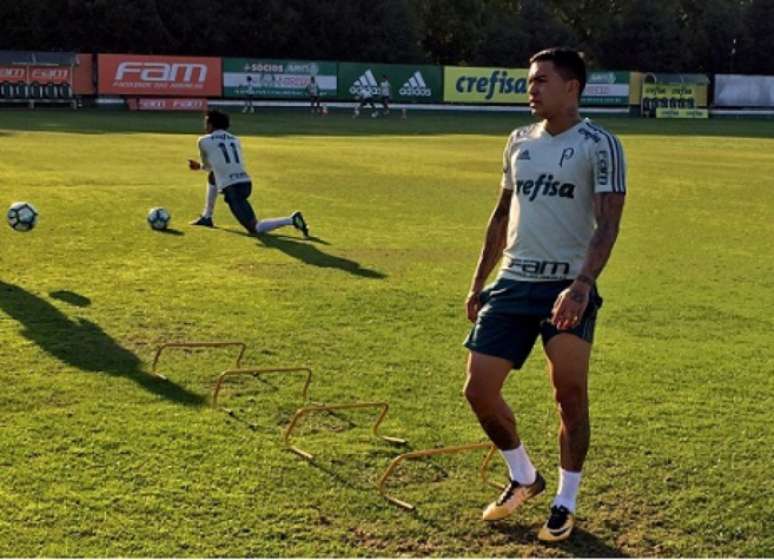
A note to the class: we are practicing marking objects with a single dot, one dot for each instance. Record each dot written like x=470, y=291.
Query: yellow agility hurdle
x=257, y=372
x=483, y=471
x=191, y=344
x=301, y=412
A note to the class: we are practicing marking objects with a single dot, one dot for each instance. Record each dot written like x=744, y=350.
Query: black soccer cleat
x=299, y=223
x=559, y=525
x=202, y=221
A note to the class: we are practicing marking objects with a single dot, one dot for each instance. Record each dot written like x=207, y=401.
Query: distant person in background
x=313, y=89
x=250, y=93
x=365, y=97
x=385, y=91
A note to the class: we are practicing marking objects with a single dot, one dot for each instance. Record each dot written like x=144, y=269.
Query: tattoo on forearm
x=608, y=208
x=496, y=234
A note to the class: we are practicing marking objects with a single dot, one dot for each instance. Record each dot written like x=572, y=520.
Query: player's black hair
x=218, y=120
x=568, y=62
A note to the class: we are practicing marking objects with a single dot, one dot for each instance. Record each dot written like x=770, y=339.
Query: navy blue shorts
x=514, y=313
x=236, y=197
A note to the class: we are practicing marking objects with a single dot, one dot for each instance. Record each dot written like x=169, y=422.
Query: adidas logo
x=415, y=86
x=523, y=154
x=367, y=80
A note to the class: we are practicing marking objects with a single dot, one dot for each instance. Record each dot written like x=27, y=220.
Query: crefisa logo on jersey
x=544, y=186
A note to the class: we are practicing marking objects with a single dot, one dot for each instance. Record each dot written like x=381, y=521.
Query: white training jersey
x=365, y=92
x=385, y=88
x=554, y=179
x=221, y=153
x=313, y=88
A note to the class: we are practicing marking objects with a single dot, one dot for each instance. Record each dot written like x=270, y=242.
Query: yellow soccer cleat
x=559, y=525
x=512, y=497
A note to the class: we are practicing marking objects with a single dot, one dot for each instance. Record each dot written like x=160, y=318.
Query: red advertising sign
x=13, y=73
x=50, y=74
x=39, y=74
x=167, y=104
x=126, y=74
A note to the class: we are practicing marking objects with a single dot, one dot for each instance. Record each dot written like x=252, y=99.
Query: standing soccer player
x=221, y=153
x=385, y=89
x=250, y=91
x=555, y=224
x=313, y=89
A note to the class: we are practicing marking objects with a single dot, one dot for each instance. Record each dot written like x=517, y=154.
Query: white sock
x=569, y=481
x=267, y=225
x=209, y=200
x=519, y=465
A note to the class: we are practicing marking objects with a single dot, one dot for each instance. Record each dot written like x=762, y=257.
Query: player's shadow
x=308, y=253
x=581, y=544
x=83, y=344
x=311, y=255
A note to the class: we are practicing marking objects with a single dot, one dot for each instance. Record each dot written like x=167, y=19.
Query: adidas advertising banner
x=277, y=79
x=606, y=88
x=419, y=84
x=484, y=85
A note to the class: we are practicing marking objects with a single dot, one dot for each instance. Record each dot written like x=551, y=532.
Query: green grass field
x=98, y=458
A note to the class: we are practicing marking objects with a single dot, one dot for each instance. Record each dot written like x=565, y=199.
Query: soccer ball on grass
x=158, y=218
x=22, y=216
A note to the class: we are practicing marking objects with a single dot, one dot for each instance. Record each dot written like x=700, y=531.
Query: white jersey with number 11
x=221, y=153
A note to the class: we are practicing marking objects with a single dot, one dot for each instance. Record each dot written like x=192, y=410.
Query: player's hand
x=473, y=304
x=194, y=165
x=569, y=306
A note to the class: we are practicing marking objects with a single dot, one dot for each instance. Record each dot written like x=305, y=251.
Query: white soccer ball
x=22, y=216
x=158, y=218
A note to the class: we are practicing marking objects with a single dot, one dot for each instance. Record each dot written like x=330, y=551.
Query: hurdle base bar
x=256, y=372
x=381, y=484
x=301, y=412
x=197, y=344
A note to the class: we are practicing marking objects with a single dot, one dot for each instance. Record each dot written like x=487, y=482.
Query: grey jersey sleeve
x=609, y=165
x=507, y=180
x=203, y=154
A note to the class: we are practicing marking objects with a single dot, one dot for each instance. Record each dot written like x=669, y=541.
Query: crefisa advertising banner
x=606, y=88
x=419, y=83
x=277, y=78
x=180, y=76
x=485, y=85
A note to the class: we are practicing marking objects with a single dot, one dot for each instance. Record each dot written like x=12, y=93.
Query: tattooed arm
x=572, y=302
x=494, y=244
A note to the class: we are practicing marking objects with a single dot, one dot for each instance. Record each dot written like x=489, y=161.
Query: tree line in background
x=710, y=36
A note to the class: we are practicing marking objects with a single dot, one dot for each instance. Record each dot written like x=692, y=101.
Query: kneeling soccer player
x=563, y=190
x=221, y=154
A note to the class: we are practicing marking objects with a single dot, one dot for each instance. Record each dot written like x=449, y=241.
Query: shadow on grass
x=581, y=544
x=83, y=344
x=307, y=253
x=71, y=297
x=170, y=231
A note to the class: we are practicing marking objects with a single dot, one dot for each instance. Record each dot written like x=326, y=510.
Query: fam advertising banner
x=420, y=83
x=277, y=78
x=36, y=74
x=671, y=96
x=606, y=88
x=736, y=90
x=485, y=85
x=186, y=76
